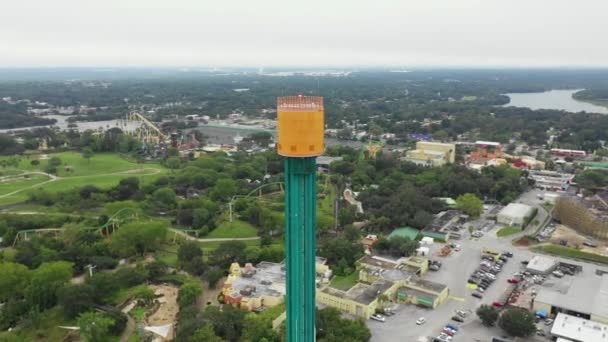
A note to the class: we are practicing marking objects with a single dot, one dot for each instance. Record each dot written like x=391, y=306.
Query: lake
x=553, y=99
x=81, y=126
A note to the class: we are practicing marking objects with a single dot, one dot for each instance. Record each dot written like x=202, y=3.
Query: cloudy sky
x=306, y=33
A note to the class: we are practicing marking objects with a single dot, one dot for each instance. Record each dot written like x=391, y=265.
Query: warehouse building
x=541, y=265
x=584, y=296
x=429, y=153
x=576, y=329
x=515, y=215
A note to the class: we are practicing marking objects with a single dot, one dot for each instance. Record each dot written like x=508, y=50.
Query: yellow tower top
x=301, y=126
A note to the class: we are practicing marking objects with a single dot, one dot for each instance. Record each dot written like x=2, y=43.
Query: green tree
x=205, y=334
x=487, y=314
x=173, y=163
x=87, y=153
x=137, y=238
x=228, y=252
x=164, y=199
x=54, y=162
x=76, y=299
x=188, y=293
x=470, y=204
x=258, y=328
x=14, y=280
x=346, y=215
x=47, y=279
x=517, y=322
x=94, y=326
x=331, y=327
x=224, y=189
x=145, y=295
x=35, y=162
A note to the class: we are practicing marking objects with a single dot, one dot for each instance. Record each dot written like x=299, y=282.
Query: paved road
x=188, y=237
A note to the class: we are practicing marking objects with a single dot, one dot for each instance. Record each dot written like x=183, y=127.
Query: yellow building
x=361, y=300
x=431, y=153
x=422, y=292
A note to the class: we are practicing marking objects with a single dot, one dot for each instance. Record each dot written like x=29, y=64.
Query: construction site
x=588, y=216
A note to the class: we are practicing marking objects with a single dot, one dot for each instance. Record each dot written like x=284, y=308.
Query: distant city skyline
x=315, y=33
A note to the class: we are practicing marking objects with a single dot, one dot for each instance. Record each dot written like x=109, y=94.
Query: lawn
x=20, y=182
x=344, y=282
x=506, y=231
x=212, y=245
x=234, y=229
x=122, y=295
x=104, y=170
x=47, y=329
x=568, y=252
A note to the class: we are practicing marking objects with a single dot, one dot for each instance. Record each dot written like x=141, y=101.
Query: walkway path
x=188, y=237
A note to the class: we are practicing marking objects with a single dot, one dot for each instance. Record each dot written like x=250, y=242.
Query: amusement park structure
x=120, y=217
x=301, y=121
x=146, y=131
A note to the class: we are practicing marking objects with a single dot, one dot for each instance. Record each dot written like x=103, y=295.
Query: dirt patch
x=575, y=239
x=210, y=295
x=168, y=309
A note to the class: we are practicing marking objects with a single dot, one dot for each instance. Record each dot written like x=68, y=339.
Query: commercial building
x=486, y=150
x=541, y=265
x=551, y=180
x=418, y=291
x=443, y=223
x=576, y=329
x=361, y=300
x=558, y=152
x=381, y=279
x=586, y=215
x=515, y=215
x=429, y=153
x=584, y=295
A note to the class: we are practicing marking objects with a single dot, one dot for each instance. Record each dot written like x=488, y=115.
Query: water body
x=81, y=126
x=554, y=99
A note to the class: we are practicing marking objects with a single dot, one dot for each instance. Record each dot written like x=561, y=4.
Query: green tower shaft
x=300, y=226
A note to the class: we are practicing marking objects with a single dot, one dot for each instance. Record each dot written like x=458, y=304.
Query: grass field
x=506, y=231
x=344, y=282
x=568, y=252
x=104, y=170
x=234, y=229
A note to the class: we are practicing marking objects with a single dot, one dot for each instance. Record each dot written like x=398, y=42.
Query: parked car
x=558, y=274
x=498, y=304
x=378, y=317
x=462, y=313
x=434, y=268
x=481, y=289
x=444, y=337
x=457, y=319
x=448, y=332
x=548, y=321
x=508, y=254
x=525, y=262
x=421, y=321
x=452, y=326
x=513, y=281
x=477, y=234
x=590, y=244
x=477, y=295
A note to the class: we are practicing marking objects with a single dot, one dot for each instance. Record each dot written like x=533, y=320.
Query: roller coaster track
x=121, y=216
x=148, y=132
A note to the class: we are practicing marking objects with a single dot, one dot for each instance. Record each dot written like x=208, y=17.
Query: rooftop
x=586, y=293
x=268, y=279
x=408, y=232
x=516, y=210
x=365, y=294
x=579, y=329
x=442, y=221
x=540, y=263
x=426, y=284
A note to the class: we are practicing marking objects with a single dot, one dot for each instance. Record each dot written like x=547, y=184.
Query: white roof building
x=541, y=265
x=574, y=328
x=514, y=214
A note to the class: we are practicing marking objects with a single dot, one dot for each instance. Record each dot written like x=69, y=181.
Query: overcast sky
x=308, y=32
